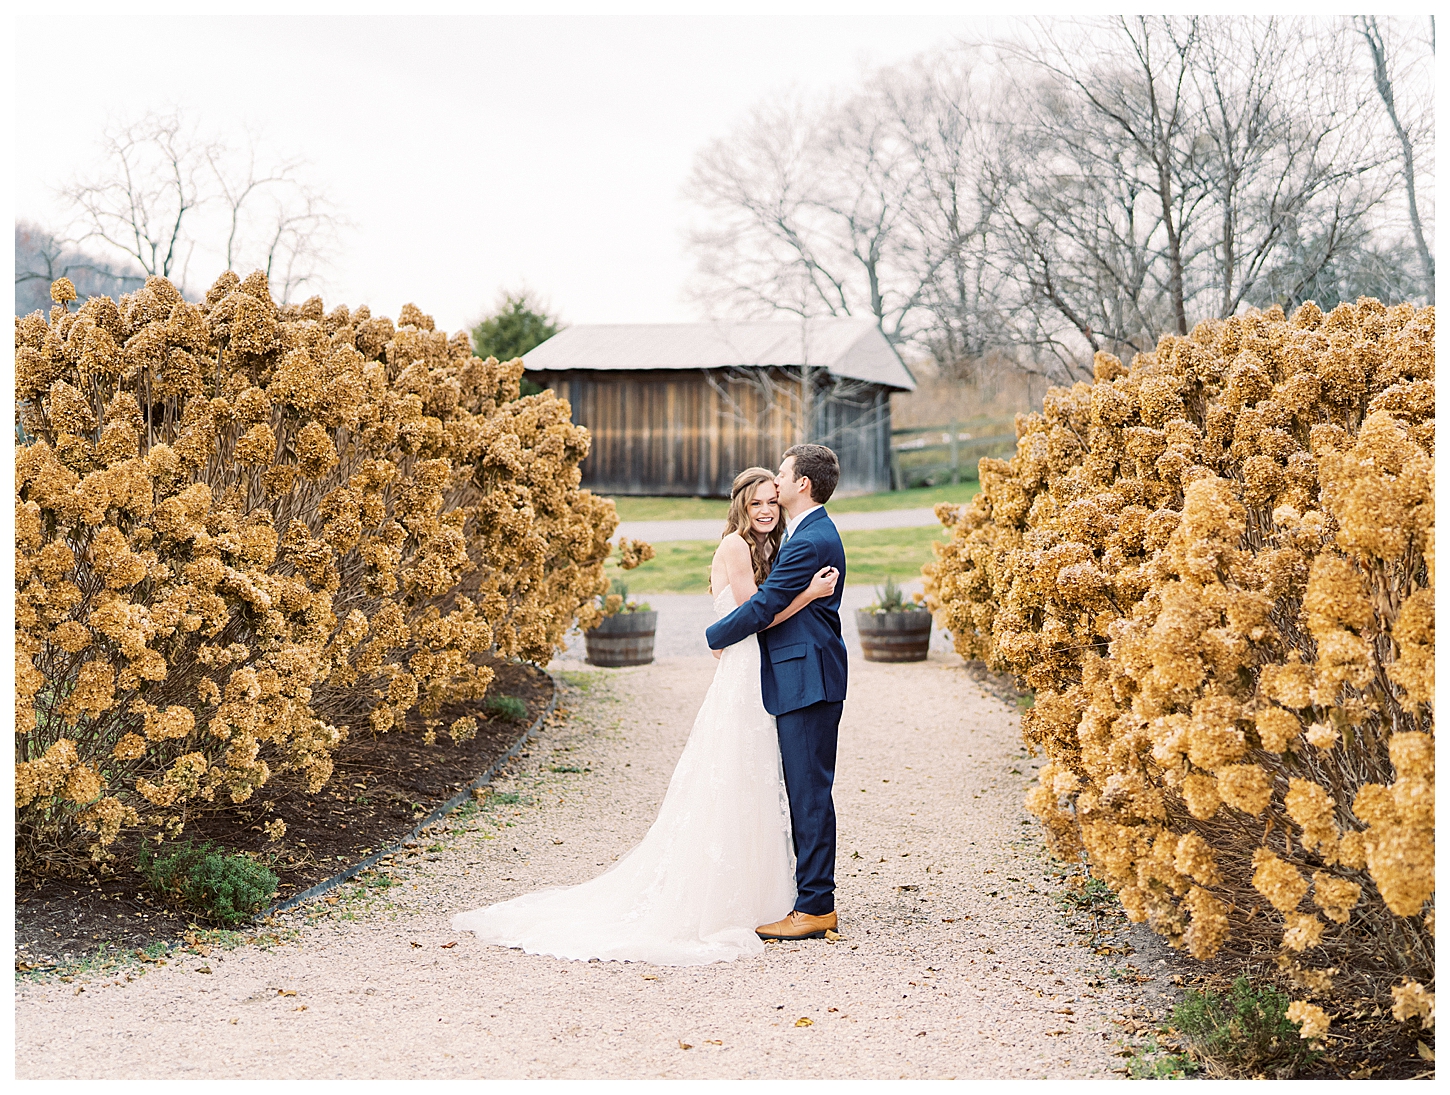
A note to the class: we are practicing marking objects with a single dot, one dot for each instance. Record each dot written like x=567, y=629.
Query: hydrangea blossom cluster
x=244, y=531
x=1215, y=567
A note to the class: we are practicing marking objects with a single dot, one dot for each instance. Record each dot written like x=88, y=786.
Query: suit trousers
x=808, y=757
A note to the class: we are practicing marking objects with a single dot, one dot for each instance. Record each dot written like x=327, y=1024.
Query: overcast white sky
x=470, y=153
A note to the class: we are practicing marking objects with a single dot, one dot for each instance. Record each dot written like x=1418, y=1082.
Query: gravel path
x=955, y=961
x=658, y=532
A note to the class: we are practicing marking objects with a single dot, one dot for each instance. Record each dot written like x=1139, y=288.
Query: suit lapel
x=808, y=520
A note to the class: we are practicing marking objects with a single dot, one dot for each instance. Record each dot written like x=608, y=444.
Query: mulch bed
x=380, y=787
x=1366, y=1041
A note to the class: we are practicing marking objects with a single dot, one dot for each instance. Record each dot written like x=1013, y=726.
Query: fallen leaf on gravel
x=948, y=920
x=1054, y=1033
x=81, y=988
x=831, y=935
x=203, y=969
x=833, y=1009
x=921, y=1034
x=300, y=1007
x=412, y=944
x=330, y=900
x=453, y=944
x=233, y=1022
x=713, y=1042
x=804, y=1022
x=558, y=842
x=1065, y=1011
x=649, y=977
x=686, y=1045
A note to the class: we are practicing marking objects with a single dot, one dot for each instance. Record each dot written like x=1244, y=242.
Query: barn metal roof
x=847, y=347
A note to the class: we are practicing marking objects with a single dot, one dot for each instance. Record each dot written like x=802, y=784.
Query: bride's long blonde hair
x=762, y=555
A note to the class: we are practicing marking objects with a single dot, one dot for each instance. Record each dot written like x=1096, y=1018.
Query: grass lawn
x=689, y=509
x=683, y=566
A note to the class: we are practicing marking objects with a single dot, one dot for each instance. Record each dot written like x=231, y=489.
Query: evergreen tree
x=519, y=324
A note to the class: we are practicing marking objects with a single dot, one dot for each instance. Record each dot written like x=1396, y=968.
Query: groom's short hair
x=820, y=465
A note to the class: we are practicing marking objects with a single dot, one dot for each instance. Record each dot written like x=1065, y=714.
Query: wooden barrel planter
x=626, y=638
x=894, y=636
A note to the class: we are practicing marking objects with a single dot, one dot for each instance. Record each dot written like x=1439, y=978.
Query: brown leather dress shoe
x=798, y=925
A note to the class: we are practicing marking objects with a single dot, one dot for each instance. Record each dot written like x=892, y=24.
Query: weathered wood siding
x=687, y=432
x=855, y=421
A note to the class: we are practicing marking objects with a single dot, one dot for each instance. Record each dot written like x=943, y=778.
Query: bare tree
x=163, y=191
x=148, y=187
x=963, y=309
x=1175, y=168
x=809, y=207
x=1090, y=186
x=1369, y=28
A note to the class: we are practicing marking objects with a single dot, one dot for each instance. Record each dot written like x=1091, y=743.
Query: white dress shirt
x=794, y=522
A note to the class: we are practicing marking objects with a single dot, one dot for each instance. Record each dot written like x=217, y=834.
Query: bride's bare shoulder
x=732, y=546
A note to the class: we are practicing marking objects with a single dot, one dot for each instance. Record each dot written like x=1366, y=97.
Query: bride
x=718, y=859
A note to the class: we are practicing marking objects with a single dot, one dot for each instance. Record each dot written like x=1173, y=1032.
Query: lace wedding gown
x=716, y=863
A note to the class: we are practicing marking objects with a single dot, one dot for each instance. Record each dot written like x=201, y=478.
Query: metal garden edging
x=433, y=817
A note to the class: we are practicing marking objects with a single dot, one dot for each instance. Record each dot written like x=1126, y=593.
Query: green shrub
x=892, y=598
x=222, y=886
x=1244, y=1032
x=508, y=708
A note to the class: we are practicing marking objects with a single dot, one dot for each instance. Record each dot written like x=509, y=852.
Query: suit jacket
x=803, y=661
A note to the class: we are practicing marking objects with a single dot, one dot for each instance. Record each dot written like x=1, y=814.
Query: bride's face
x=763, y=509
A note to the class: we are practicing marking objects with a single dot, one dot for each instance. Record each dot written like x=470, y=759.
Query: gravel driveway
x=955, y=960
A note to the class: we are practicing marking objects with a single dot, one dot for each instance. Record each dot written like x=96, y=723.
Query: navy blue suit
x=803, y=682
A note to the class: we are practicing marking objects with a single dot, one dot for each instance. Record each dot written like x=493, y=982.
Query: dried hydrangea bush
x=1215, y=567
x=244, y=531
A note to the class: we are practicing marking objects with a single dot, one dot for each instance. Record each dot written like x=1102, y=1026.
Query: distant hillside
x=40, y=258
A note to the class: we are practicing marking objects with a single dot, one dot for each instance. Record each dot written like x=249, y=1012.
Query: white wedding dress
x=717, y=862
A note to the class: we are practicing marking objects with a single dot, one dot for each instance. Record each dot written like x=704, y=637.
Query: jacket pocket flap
x=789, y=653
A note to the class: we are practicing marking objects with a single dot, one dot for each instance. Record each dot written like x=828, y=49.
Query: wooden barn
x=680, y=408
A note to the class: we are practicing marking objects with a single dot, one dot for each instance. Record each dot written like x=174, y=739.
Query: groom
x=803, y=679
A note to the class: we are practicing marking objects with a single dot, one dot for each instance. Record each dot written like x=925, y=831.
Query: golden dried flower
x=316, y=453
x=83, y=784
x=62, y=290
x=71, y=637
x=1245, y=787
x=634, y=552
x=1413, y=1000
x=174, y=722
x=1277, y=728
x=257, y=446
x=1302, y=931
x=1280, y=882
x=1312, y=808
x=1311, y=1020
x=1322, y=736
x=1200, y=795
x=1194, y=857
x=130, y=747
x=1336, y=896
x=1208, y=927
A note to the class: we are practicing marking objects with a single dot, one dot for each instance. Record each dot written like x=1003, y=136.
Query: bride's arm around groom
x=803, y=658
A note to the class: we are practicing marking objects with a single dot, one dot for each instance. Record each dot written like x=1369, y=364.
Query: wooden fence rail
x=932, y=455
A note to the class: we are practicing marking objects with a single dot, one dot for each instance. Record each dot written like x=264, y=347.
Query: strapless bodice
x=724, y=603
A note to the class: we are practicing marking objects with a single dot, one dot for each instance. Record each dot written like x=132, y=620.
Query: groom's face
x=792, y=490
